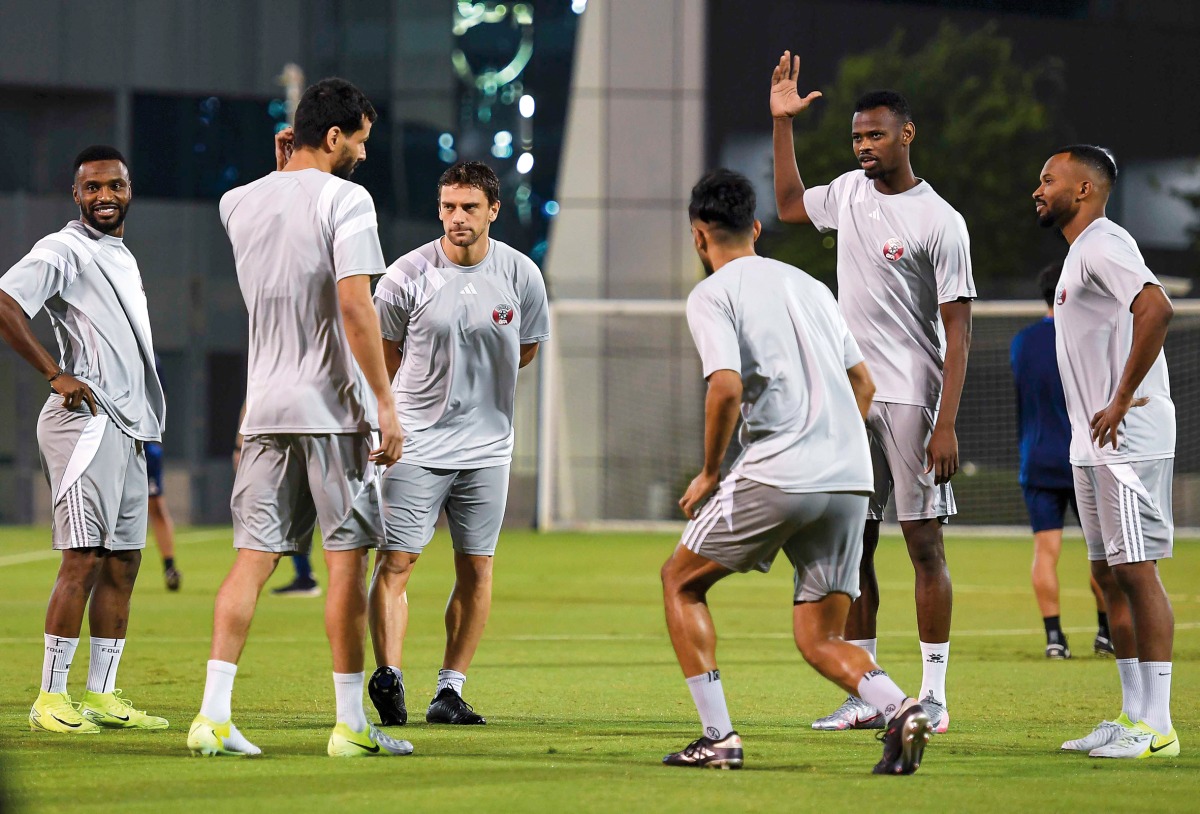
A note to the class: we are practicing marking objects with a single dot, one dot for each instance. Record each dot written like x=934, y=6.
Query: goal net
x=622, y=415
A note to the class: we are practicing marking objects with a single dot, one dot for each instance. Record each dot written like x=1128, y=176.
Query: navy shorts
x=1048, y=507
x=154, y=468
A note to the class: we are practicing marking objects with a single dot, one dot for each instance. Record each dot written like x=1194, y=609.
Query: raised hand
x=786, y=100
x=285, y=140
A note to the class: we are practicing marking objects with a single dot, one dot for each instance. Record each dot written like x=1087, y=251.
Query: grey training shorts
x=746, y=523
x=287, y=483
x=97, y=477
x=474, y=500
x=899, y=438
x=1125, y=510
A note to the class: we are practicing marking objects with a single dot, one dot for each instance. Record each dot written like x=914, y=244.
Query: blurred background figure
x=1044, y=434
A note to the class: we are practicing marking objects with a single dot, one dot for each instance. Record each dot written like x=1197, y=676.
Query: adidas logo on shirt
x=876, y=215
x=470, y=289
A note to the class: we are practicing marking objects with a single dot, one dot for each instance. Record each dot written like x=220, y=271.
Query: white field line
x=185, y=538
x=623, y=637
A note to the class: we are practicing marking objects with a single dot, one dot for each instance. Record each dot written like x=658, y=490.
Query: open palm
x=786, y=100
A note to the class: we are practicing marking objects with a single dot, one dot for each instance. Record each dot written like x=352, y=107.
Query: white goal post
x=621, y=415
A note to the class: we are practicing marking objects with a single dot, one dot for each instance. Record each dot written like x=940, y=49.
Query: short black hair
x=97, y=152
x=1098, y=158
x=472, y=174
x=890, y=99
x=724, y=199
x=1048, y=282
x=330, y=103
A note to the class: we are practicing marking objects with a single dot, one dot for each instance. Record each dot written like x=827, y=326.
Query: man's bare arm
x=392, y=357
x=14, y=328
x=528, y=351
x=863, y=386
x=721, y=406
x=786, y=102
x=942, y=453
x=361, y=324
x=1152, y=312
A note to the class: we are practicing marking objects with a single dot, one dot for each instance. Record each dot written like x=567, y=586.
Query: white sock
x=878, y=690
x=238, y=743
x=1132, y=697
x=710, y=703
x=934, y=658
x=348, y=687
x=218, y=691
x=866, y=644
x=452, y=679
x=106, y=657
x=1156, y=695
x=56, y=663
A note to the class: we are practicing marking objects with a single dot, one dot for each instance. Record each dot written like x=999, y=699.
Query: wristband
x=60, y=372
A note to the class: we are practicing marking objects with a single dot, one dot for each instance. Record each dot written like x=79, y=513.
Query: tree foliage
x=985, y=125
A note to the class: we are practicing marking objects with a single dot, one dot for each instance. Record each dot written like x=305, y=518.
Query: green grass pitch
x=583, y=696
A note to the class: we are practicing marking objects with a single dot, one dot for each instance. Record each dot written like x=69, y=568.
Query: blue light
x=446, y=141
x=551, y=208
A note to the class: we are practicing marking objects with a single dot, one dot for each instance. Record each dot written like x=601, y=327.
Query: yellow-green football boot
x=112, y=711
x=56, y=712
x=1141, y=742
x=345, y=742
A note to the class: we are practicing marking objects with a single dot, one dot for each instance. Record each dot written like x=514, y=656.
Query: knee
x=674, y=581
x=927, y=554
x=815, y=649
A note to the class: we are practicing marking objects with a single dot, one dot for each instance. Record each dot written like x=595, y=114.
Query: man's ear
x=907, y=133
x=757, y=229
x=332, y=136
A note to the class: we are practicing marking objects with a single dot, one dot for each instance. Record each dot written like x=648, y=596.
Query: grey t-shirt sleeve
x=394, y=307
x=823, y=204
x=1117, y=269
x=355, y=229
x=950, y=253
x=43, y=273
x=535, y=311
x=710, y=319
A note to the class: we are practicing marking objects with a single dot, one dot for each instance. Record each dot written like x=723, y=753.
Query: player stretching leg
x=305, y=243
x=1112, y=317
x=905, y=287
x=773, y=343
x=460, y=316
x=105, y=407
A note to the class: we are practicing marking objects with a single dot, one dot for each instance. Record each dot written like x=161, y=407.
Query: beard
x=346, y=167
x=106, y=228
x=1049, y=217
x=470, y=238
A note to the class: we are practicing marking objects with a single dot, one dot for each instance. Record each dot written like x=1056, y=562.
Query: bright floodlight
x=527, y=106
x=525, y=163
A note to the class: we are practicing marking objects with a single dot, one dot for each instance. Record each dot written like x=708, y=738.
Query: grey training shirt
x=899, y=257
x=782, y=332
x=1103, y=273
x=92, y=290
x=294, y=236
x=460, y=330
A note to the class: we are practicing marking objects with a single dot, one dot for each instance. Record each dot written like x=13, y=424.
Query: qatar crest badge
x=503, y=314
